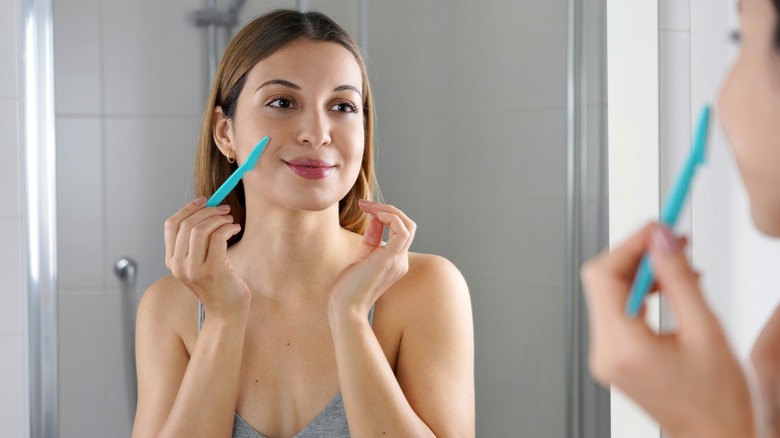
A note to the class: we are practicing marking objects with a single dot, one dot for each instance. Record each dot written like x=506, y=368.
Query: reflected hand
x=196, y=253
x=377, y=266
x=688, y=380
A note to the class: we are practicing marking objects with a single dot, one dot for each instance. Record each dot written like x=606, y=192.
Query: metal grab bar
x=126, y=269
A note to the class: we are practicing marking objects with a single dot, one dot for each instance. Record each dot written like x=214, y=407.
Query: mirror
x=490, y=135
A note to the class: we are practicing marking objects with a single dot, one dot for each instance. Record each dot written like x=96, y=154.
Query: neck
x=290, y=254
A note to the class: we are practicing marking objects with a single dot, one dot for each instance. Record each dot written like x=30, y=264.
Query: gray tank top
x=330, y=423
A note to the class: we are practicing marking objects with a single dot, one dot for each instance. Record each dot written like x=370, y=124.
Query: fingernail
x=224, y=207
x=200, y=201
x=363, y=201
x=229, y=217
x=664, y=240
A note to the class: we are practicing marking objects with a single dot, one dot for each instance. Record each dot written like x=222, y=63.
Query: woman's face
x=749, y=108
x=307, y=98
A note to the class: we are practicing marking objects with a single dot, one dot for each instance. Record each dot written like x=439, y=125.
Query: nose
x=314, y=129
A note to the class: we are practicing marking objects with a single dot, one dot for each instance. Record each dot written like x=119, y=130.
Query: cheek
x=353, y=145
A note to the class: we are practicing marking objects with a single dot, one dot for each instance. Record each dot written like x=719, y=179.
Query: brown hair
x=256, y=41
x=777, y=24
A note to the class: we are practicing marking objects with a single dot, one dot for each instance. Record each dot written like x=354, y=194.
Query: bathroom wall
x=130, y=87
x=472, y=144
x=14, y=412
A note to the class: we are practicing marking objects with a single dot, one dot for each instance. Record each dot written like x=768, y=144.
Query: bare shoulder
x=167, y=303
x=432, y=284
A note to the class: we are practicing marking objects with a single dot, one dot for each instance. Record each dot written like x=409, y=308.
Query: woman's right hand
x=196, y=254
x=689, y=380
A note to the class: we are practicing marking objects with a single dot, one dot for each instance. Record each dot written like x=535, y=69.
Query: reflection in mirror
x=488, y=134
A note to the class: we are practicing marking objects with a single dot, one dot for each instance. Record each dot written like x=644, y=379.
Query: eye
x=280, y=103
x=345, y=107
x=735, y=36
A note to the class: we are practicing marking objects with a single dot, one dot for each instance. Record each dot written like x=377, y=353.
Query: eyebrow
x=348, y=88
x=295, y=86
x=282, y=82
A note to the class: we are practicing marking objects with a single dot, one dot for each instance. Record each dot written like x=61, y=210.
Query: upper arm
x=161, y=356
x=435, y=366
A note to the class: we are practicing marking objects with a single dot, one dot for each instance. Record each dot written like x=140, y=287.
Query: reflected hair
x=256, y=41
x=777, y=24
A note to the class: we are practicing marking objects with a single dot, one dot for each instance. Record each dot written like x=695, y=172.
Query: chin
x=312, y=203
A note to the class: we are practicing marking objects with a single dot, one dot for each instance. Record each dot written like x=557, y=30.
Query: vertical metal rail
x=587, y=404
x=126, y=270
x=37, y=85
x=573, y=218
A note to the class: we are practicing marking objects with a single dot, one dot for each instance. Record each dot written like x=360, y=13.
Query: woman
x=689, y=380
x=313, y=326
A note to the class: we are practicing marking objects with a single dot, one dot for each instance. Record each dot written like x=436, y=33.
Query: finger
x=372, y=238
x=171, y=226
x=201, y=235
x=624, y=259
x=607, y=281
x=679, y=282
x=218, y=242
x=397, y=240
x=181, y=248
x=375, y=207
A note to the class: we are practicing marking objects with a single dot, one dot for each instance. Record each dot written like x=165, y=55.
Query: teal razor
x=671, y=211
x=233, y=179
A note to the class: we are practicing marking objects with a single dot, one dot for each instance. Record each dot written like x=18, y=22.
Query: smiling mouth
x=310, y=169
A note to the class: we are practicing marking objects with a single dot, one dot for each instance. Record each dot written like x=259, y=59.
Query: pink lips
x=310, y=169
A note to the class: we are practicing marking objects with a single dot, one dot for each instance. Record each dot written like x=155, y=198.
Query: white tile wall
x=153, y=58
x=521, y=241
x=509, y=154
x=495, y=71
x=470, y=16
x=77, y=80
x=419, y=146
x=117, y=364
x=509, y=68
x=9, y=48
x=82, y=365
x=13, y=377
x=80, y=202
x=518, y=388
x=131, y=83
x=148, y=177
x=13, y=380
x=11, y=299
x=10, y=182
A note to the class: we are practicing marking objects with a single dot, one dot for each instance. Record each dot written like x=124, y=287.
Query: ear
x=223, y=132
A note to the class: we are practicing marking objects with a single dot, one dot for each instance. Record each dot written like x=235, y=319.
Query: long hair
x=256, y=41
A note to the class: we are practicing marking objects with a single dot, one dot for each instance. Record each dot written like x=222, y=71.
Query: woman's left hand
x=377, y=266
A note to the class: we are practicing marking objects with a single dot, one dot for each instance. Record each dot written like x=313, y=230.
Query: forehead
x=310, y=63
